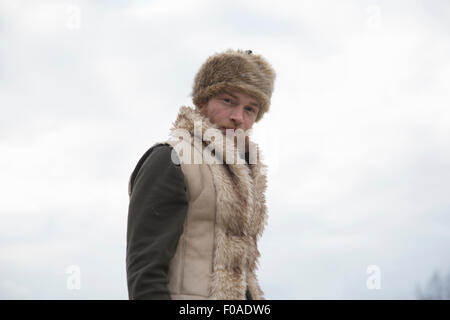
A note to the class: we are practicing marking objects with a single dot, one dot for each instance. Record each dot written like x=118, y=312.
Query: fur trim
x=241, y=214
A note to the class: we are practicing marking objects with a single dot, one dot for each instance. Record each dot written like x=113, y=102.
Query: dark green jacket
x=156, y=214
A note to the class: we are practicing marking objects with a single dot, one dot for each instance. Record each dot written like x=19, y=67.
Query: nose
x=237, y=115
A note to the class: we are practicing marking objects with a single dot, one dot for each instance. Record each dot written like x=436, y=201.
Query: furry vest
x=217, y=254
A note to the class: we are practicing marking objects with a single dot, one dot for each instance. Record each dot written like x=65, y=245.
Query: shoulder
x=159, y=159
x=159, y=154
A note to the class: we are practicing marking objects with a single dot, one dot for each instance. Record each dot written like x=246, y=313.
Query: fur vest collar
x=241, y=213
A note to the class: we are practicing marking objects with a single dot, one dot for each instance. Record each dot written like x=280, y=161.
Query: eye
x=251, y=109
x=227, y=100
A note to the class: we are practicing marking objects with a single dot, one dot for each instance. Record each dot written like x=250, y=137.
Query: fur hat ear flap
x=235, y=70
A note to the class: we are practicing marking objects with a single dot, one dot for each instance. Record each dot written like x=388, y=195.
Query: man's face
x=232, y=110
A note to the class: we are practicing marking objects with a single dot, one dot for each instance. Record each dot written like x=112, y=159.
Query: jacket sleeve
x=156, y=214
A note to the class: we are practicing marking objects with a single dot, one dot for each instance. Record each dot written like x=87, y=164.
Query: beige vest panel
x=192, y=265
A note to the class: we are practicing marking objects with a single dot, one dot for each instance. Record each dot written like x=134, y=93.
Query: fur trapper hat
x=235, y=70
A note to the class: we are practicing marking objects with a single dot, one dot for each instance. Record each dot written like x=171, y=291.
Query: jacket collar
x=201, y=129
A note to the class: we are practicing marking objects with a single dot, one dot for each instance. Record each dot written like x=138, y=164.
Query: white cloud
x=11, y=290
x=160, y=9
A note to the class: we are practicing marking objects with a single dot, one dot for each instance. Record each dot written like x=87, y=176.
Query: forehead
x=241, y=96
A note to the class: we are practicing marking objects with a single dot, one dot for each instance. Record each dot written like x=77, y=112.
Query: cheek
x=249, y=124
x=215, y=115
x=220, y=114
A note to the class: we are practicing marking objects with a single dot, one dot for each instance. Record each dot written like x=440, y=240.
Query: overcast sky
x=357, y=138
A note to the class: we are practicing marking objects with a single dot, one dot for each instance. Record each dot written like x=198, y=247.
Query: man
x=193, y=225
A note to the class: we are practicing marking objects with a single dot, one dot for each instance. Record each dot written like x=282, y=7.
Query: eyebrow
x=251, y=103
